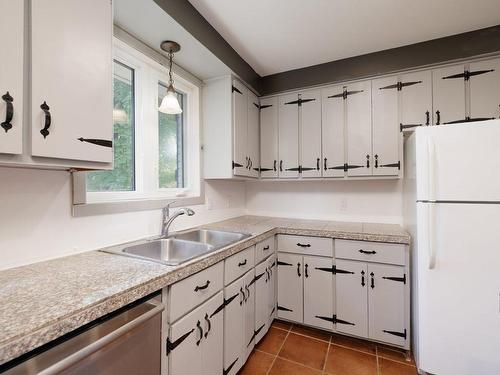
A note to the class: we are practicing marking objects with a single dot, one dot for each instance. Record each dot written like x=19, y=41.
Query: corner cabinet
x=69, y=122
x=231, y=117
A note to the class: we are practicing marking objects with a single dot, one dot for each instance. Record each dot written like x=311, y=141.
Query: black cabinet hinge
x=333, y=269
x=469, y=119
x=295, y=169
x=172, y=345
x=467, y=74
x=391, y=165
x=399, y=279
x=256, y=277
x=335, y=320
x=235, y=89
x=265, y=106
x=224, y=304
x=395, y=333
x=228, y=370
x=280, y=263
x=237, y=165
x=97, y=142
x=281, y=308
x=408, y=126
x=299, y=101
x=399, y=85
x=255, y=333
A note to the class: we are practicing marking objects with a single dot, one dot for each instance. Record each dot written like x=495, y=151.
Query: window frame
x=148, y=73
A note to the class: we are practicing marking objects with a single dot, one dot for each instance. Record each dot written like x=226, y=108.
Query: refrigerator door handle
x=431, y=157
x=430, y=236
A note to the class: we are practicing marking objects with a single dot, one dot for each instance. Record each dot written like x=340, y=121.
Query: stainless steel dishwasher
x=128, y=343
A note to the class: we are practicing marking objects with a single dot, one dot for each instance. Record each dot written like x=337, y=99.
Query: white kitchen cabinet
x=288, y=124
x=239, y=322
x=386, y=303
x=386, y=136
x=310, y=133
x=269, y=137
x=351, y=300
x=71, y=89
x=332, y=125
x=448, y=94
x=318, y=292
x=195, y=342
x=241, y=161
x=359, y=128
x=484, y=89
x=416, y=100
x=261, y=300
x=272, y=288
x=11, y=76
x=290, y=287
x=253, y=135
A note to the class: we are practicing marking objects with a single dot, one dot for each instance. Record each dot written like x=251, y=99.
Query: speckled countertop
x=43, y=301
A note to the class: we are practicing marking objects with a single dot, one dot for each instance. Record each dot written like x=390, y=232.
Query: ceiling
x=149, y=23
x=279, y=35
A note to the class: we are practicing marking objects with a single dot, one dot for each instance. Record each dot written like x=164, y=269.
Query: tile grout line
x=376, y=356
x=278, y=352
x=327, y=353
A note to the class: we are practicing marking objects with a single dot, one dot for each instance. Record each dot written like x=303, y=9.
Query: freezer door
x=459, y=162
x=458, y=288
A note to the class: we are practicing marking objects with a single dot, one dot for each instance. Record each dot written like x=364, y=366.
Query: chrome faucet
x=167, y=220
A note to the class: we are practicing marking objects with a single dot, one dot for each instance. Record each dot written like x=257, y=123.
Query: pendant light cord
x=170, y=58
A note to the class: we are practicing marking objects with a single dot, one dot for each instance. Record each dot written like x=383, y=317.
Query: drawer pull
x=265, y=247
x=198, y=325
x=241, y=264
x=303, y=245
x=298, y=269
x=202, y=287
x=367, y=252
x=373, y=280
x=362, y=278
x=209, y=323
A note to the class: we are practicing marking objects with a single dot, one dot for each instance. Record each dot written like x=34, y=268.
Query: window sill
x=104, y=208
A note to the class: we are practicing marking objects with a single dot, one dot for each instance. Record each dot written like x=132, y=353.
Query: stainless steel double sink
x=181, y=247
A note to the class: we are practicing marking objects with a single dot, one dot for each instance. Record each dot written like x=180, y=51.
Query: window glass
x=170, y=142
x=122, y=177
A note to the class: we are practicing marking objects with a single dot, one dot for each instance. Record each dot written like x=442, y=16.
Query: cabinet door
x=485, y=89
x=359, y=129
x=332, y=125
x=234, y=326
x=249, y=314
x=351, y=298
x=71, y=76
x=288, y=121
x=11, y=76
x=386, y=303
x=272, y=301
x=269, y=137
x=385, y=132
x=310, y=133
x=290, y=287
x=318, y=307
x=448, y=92
x=416, y=100
x=212, y=350
x=253, y=134
x=261, y=300
x=241, y=162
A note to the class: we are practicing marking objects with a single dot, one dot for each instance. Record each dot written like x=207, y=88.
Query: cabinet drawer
x=194, y=290
x=238, y=264
x=306, y=245
x=263, y=249
x=370, y=251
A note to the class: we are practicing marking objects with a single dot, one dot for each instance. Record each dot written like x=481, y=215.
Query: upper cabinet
x=485, y=89
x=448, y=94
x=415, y=100
x=231, y=115
x=11, y=77
x=332, y=125
x=310, y=133
x=288, y=145
x=70, y=94
x=269, y=137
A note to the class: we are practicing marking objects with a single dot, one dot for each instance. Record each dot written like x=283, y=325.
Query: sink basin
x=169, y=251
x=215, y=238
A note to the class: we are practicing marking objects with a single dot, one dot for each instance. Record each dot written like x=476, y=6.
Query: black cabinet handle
x=9, y=111
x=317, y=164
x=303, y=245
x=265, y=247
x=367, y=161
x=209, y=323
x=372, y=280
x=198, y=325
x=248, y=291
x=376, y=161
x=268, y=276
x=251, y=163
x=324, y=164
x=367, y=252
x=306, y=274
x=241, y=264
x=281, y=165
x=427, y=118
x=48, y=120
x=298, y=270
x=438, y=117
x=243, y=296
x=202, y=287
x=274, y=165
x=362, y=278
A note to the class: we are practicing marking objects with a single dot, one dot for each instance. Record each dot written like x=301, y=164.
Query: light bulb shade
x=170, y=103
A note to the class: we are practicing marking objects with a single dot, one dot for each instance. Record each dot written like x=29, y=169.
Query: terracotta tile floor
x=293, y=349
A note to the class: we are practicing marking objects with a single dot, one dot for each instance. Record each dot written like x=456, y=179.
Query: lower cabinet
x=265, y=304
x=194, y=345
x=239, y=322
x=290, y=287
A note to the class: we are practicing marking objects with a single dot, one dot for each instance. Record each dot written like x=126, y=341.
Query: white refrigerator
x=452, y=209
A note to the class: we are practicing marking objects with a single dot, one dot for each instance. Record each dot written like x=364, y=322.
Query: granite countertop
x=43, y=301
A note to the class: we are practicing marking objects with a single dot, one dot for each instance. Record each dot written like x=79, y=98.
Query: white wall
x=362, y=200
x=36, y=221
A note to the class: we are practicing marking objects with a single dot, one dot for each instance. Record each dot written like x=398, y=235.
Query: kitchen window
x=156, y=155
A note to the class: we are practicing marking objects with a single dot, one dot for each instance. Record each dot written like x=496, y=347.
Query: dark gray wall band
x=434, y=51
x=189, y=18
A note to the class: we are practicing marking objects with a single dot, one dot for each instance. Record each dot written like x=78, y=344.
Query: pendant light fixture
x=170, y=103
